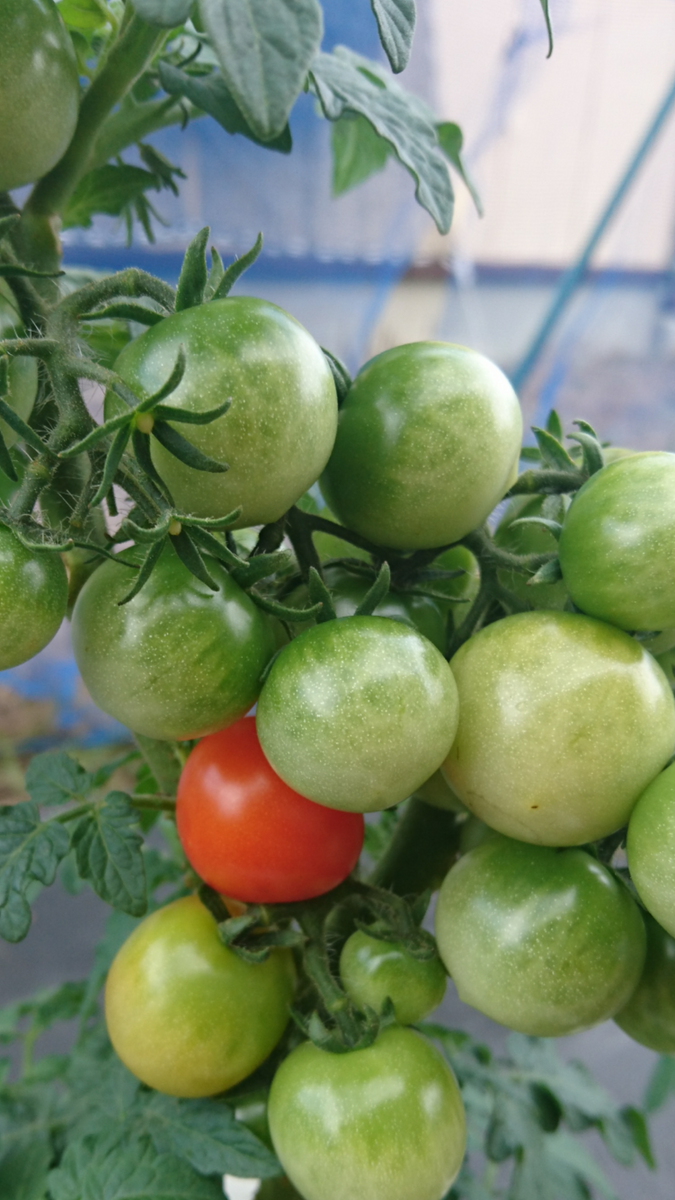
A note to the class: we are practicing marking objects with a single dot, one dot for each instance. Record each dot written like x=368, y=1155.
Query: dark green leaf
x=261, y=567
x=375, y=594
x=107, y=844
x=549, y=30
x=192, y=559
x=141, y=444
x=184, y=416
x=553, y=453
x=206, y=1134
x=218, y=550
x=237, y=268
x=211, y=95
x=193, y=276
x=344, y=81
x=6, y=464
x=396, y=25
x=145, y=572
x=56, y=778
x=636, y=1123
x=112, y=462
x=24, y=431
x=265, y=48
x=590, y=448
x=166, y=13
x=30, y=851
x=169, y=386
x=41, y=1010
x=23, y=1170
x=554, y=425
x=451, y=140
x=358, y=152
x=184, y=451
x=108, y=189
x=661, y=1085
x=319, y=594
x=127, y=1169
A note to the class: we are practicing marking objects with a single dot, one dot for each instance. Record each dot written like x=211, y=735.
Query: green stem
x=72, y=814
x=126, y=62
x=300, y=535
x=154, y=803
x=422, y=850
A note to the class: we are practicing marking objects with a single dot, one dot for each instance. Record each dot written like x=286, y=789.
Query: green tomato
x=563, y=722
x=177, y=661
x=528, y=539
x=372, y=970
x=547, y=942
x=437, y=792
x=280, y=430
x=186, y=1015
x=357, y=713
x=39, y=90
x=426, y=442
x=33, y=598
x=385, y=1123
x=617, y=547
x=650, y=847
x=649, y=1016
x=23, y=371
x=348, y=590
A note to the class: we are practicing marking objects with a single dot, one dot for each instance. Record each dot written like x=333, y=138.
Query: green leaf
x=549, y=30
x=107, y=843
x=551, y=572
x=206, y=1134
x=358, y=152
x=85, y=15
x=192, y=559
x=554, y=425
x=166, y=13
x=127, y=1169
x=636, y=1123
x=56, y=778
x=176, y=444
x=553, y=453
x=23, y=1170
x=7, y=224
x=29, y=852
x=344, y=82
x=396, y=26
x=210, y=94
x=375, y=594
x=265, y=48
x=661, y=1085
x=193, y=275
x=341, y=377
x=108, y=189
x=451, y=140
x=237, y=268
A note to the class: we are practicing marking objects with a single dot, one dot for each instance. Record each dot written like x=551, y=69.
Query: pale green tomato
x=544, y=941
x=426, y=443
x=280, y=429
x=33, y=598
x=649, y=1016
x=617, y=546
x=39, y=90
x=356, y=713
x=385, y=1123
x=178, y=661
x=372, y=971
x=23, y=371
x=185, y=1014
x=563, y=722
x=651, y=848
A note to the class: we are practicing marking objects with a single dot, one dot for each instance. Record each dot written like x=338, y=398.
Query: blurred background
x=567, y=281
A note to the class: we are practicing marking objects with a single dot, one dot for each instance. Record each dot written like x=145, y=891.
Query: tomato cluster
x=545, y=734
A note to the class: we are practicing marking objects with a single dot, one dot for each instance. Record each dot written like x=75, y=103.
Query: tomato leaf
x=396, y=26
x=343, y=81
x=23, y=1170
x=127, y=1168
x=193, y=276
x=451, y=140
x=265, y=48
x=165, y=13
x=206, y=1134
x=108, y=189
x=107, y=843
x=210, y=94
x=661, y=1084
x=176, y=444
x=7, y=224
x=56, y=778
x=358, y=152
x=30, y=851
x=635, y=1122
x=237, y=268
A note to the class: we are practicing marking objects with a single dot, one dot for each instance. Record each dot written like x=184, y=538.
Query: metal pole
x=574, y=274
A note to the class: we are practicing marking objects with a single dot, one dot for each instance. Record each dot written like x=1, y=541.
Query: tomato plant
x=184, y=1013
x=387, y=1117
x=372, y=971
x=251, y=837
x=355, y=713
x=249, y=351
x=563, y=722
x=412, y=416
x=544, y=941
x=618, y=540
x=39, y=90
x=176, y=661
x=33, y=596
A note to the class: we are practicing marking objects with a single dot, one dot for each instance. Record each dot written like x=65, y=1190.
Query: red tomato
x=249, y=835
